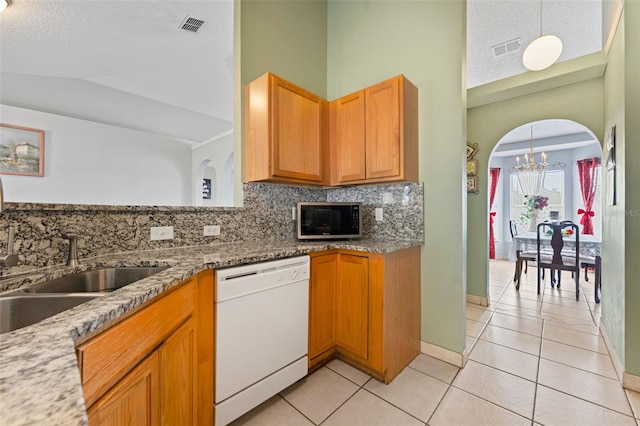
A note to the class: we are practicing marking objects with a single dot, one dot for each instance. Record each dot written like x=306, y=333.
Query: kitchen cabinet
x=374, y=134
x=376, y=310
x=155, y=364
x=285, y=133
x=322, y=306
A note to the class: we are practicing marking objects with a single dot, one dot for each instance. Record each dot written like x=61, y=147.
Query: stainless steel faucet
x=9, y=258
x=72, y=260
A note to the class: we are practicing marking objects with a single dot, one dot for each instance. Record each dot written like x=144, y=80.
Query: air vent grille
x=191, y=24
x=506, y=47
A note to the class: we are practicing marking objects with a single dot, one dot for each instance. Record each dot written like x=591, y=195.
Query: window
x=553, y=188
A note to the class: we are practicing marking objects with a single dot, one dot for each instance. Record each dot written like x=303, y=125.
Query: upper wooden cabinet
x=294, y=136
x=286, y=133
x=374, y=134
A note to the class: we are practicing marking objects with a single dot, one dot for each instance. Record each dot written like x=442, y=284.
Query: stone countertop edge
x=39, y=376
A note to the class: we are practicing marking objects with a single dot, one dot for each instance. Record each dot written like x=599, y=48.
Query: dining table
x=527, y=242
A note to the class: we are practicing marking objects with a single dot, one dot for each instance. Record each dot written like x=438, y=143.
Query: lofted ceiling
x=128, y=63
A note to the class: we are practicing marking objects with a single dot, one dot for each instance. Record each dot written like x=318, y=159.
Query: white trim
x=631, y=381
x=215, y=138
x=617, y=365
x=614, y=27
x=446, y=355
x=477, y=300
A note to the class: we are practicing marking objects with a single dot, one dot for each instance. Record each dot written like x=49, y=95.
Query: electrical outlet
x=379, y=214
x=161, y=233
x=211, y=230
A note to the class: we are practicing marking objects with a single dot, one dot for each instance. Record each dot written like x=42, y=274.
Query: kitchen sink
x=97, y=280
x=17, y=311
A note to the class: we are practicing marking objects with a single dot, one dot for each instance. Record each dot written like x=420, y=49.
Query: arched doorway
x=564, y=143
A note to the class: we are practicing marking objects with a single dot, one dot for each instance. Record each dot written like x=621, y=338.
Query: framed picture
x=472, y=184
x=21, y=150
x=471, y=150
x=472, y=167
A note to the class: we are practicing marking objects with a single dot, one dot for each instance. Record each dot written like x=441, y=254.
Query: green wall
x=287, y=38
x=632, y=182
x=372, y=41
x=621, y=224
x=487, y=124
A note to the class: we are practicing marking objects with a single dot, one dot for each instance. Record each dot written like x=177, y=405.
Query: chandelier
x=531, y=174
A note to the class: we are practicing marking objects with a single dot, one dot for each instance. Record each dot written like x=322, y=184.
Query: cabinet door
x=178, y=376
x=348, y=138
x=352, y=304
x=382, y=118
x=299, y=133
x=322, y=304
x=133, y=400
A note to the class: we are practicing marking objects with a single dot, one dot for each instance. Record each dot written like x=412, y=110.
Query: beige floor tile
x=562, y=334
x=516, y=311
x=435, y=368
x=523, y=325
x=412, y=391
x=463, y=409
x=634, y=400
x=366, y=409
x=520, y=302
x=555, y=299
x=582, y=384
x=478, y=313
x=351, y=373
x=474, y=328
x=504, y=389
x=319, y=394
x=566, y=311
x=506, y=359
x=469, y=344
x=513, y=339
x=273, y=412
x=583, y=359
x=557, y=408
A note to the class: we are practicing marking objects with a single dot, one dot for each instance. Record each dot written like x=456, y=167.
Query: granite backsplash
x=266, y=215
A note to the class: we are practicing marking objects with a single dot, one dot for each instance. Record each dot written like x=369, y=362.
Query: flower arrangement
x=533, y=206
x=565, y=232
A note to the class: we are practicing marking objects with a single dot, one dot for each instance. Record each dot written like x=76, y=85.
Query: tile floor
x=532, y=360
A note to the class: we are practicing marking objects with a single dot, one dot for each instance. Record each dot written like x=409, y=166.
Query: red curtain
x=495, y=175
x=588, y=182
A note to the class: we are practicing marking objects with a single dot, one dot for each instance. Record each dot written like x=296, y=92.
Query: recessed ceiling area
x=492, y=24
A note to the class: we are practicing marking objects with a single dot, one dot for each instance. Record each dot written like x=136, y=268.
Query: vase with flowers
x=534, y=205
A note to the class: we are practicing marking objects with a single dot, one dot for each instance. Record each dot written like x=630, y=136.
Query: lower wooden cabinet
x=133, y=400
x=155, y=366
x=365, y=309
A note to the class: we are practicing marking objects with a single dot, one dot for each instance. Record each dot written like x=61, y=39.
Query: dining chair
x=522, y=257
x=560, y=258
x=596, y=265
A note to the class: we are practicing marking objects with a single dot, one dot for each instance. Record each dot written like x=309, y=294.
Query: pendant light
x=4, y=4
x=543, y=51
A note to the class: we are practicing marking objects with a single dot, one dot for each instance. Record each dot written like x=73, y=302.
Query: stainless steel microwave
x=323, y=221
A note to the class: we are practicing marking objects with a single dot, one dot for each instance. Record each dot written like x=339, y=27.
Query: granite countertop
x=39, y=376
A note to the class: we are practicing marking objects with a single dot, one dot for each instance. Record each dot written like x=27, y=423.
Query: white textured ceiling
x=126, y=62
x=129, y=59
x=578, y=23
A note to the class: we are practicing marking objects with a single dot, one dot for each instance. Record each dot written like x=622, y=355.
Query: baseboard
x=631, y=381
x=617, y=365
x=477, y=300
x=446, y=355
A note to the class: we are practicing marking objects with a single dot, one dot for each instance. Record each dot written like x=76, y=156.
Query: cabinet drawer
x=106, y=358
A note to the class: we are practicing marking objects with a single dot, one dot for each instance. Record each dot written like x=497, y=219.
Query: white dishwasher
x=261, y=333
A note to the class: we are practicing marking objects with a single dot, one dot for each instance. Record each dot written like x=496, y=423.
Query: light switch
x=379, y=214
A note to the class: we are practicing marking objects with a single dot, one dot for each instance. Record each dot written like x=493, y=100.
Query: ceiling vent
x=506, y=47
x=191, y=24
